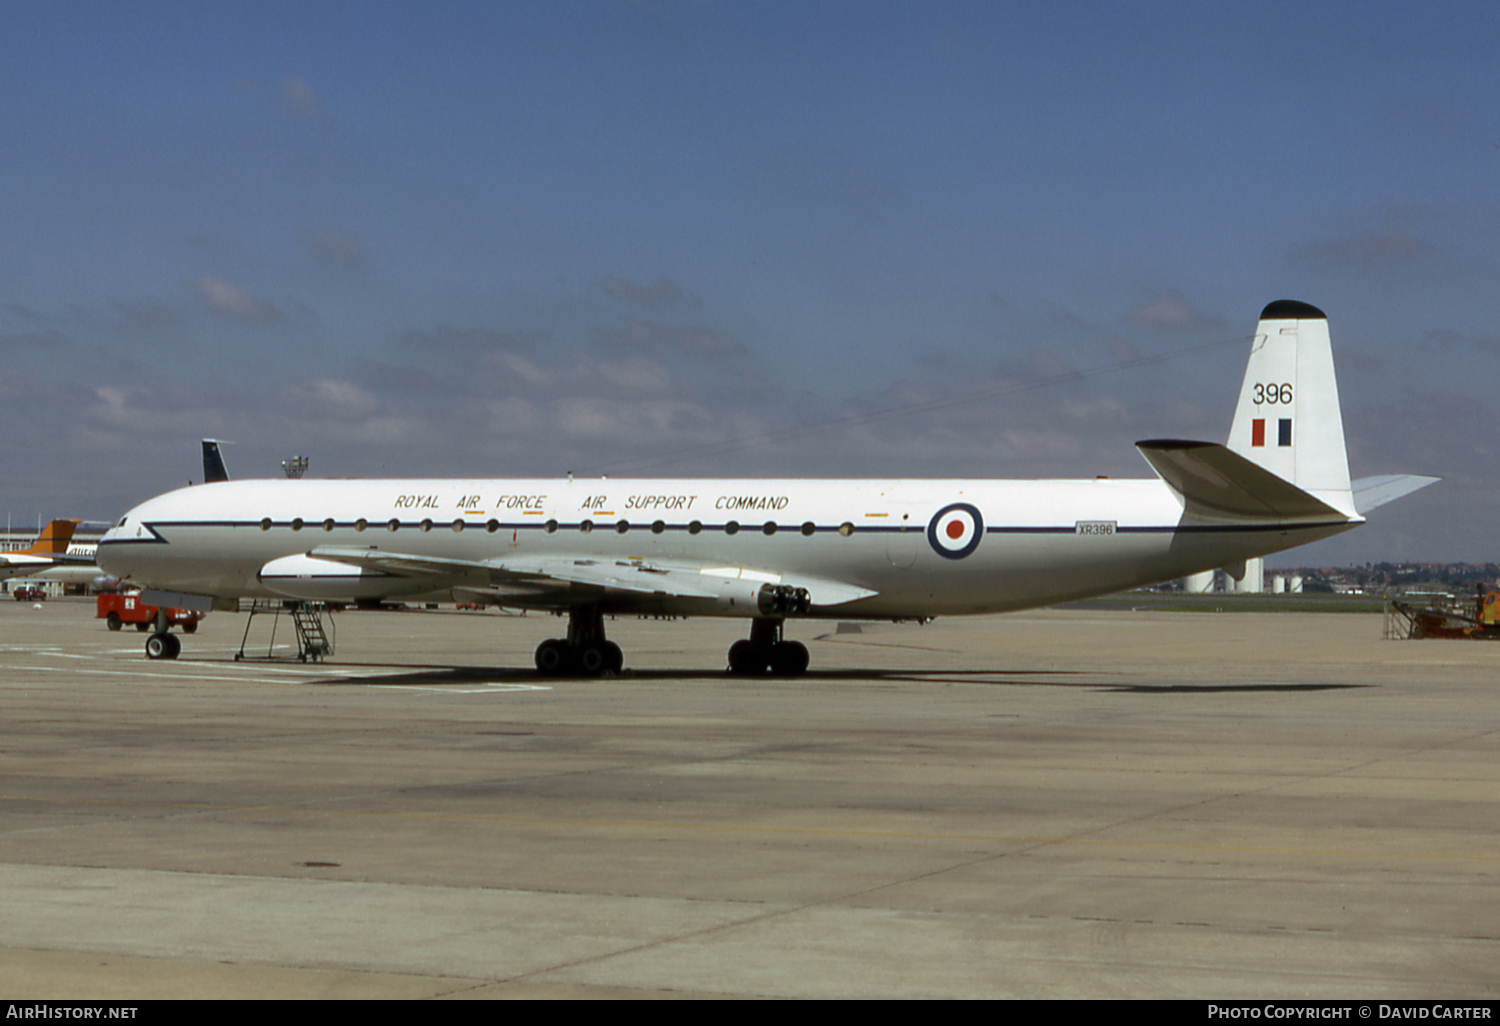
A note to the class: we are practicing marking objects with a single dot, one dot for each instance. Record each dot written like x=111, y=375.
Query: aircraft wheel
x=162, y=646
x=789, y=659
x=745, y=657
x=554, y=657
x=112, y=621
x=616, y=661
x=593, y=659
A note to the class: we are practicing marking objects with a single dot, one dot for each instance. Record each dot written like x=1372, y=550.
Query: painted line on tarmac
x=75, y=671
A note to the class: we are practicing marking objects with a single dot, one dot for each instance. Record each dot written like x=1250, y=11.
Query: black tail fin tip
x=1292, y=310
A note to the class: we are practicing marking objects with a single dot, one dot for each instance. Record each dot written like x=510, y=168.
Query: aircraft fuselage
x=922, y=547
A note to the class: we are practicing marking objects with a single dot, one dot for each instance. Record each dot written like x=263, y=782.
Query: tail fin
x=213, y=461
x=54, y=538
x=1288, y=418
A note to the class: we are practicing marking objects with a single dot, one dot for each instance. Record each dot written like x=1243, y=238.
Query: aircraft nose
x=119, y=532
x=112, y=554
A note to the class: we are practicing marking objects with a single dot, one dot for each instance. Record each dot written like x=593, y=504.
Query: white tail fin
x=1288, y=418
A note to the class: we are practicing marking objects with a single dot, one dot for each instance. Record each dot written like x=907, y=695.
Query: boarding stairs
x=314, y=637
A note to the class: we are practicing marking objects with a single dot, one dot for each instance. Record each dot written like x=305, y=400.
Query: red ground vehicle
x=29, y=593
x=117, y=609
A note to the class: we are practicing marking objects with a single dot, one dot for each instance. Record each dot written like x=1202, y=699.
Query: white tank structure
x=1294, y=584
x=1278, y=584
x=1199, y=584
x=1254, y=581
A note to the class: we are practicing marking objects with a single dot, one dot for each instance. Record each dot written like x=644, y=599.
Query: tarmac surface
x=1048, y=804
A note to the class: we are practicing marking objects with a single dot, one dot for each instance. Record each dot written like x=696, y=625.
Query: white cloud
x=662, y=292
x=326, y=397
x=637, y=334
x=335, y=245
x=298, y=98
x=232, y=301
x=1172, y=311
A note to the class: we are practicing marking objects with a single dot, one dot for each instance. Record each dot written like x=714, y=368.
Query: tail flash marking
x=1258, y=432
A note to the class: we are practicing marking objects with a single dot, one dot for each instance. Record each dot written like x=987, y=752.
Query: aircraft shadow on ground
x=472, y=676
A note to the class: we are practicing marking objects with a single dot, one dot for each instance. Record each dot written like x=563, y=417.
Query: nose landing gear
x=163, y=645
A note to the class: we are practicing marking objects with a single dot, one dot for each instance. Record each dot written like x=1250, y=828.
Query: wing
x=20, y=565
x=572, y=580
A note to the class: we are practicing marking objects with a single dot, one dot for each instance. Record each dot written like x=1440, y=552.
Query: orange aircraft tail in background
x=54, y=539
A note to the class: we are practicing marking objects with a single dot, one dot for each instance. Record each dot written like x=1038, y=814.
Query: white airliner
x=770, y=549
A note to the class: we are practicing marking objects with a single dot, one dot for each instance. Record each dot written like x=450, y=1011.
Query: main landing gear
x=586, y=651
x=766, y=650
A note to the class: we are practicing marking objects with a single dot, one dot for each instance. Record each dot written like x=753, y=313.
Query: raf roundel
x=955, y=531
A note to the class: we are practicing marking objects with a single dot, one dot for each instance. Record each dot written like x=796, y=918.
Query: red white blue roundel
x=955, y=530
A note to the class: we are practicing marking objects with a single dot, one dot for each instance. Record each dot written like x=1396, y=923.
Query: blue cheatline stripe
x=375, y=530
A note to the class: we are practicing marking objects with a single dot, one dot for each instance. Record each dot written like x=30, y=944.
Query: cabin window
x=733, y=527
x=492, y=526
x=658, y=527
x=586, y=526
x=695, y=527
x=846, y=529
x=808, y=528
x=550, y=527
x=297, y=524
x=361, y=524
x=392, y=524
x=265, y=525
x=622, y=526
x=768, y=528
x=328, y=524
x=425, y=526
x=458, y=525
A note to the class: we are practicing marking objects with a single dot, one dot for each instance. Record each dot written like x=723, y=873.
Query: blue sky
x=498, y=239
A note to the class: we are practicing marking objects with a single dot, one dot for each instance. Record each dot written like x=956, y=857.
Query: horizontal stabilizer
x=1216, y=482
x=1370, y=492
